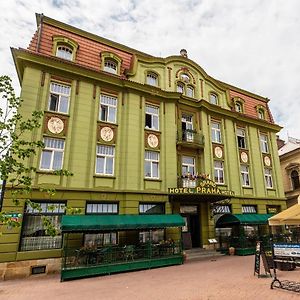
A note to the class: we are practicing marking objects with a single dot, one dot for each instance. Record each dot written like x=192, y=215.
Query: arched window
x=110, y=66
x=190, y=91
x=152, y=79
x=64, y=47
x=295, y=179
x=180, y=88
x=261, y=114
x=213, y=98
x=110, y=62
x=64, y=52
x=238, y=107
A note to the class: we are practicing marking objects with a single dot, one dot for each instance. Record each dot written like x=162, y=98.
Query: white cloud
x=251, y=44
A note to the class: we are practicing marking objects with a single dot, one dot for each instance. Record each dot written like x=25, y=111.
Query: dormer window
x=261, y=114
x=110, y=66
x=64, y=48
x=213, y=98
x=238, y=107
x=64, y=52
x=111, y=63
x=152, y=79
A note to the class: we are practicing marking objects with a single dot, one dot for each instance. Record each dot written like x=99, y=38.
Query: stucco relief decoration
x=107, y=134
x=55, y=125
x=152, y=140
x=267, y=161
x=218, y=152
x=244, y=157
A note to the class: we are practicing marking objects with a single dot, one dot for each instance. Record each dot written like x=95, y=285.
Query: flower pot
x=231, y=250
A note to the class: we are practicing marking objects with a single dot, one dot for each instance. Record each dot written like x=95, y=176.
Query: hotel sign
x=205, y=187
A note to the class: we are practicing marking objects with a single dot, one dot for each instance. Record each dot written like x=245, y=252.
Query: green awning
x=80, y=223
x=243, y=219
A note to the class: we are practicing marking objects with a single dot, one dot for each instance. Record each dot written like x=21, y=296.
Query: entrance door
x=191, y=231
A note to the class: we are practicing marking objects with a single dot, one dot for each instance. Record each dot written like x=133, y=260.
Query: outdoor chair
x=129, y=252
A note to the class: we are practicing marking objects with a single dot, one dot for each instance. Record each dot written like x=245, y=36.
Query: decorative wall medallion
x=267, y=161
x=107, y=134
x=55, y=125
x=218, y=152
x=152, y=140
x=244, y=157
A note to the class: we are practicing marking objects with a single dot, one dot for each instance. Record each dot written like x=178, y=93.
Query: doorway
x=191, y=230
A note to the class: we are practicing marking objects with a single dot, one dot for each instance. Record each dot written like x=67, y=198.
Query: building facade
x=289, y=155
x=141, y=134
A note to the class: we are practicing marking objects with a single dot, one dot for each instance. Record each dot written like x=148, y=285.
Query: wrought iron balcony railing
x=190, y=138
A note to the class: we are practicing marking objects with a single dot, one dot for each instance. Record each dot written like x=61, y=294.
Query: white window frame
x=241, y=133
x=187, y=135
x=245, y=176
x=152, y=159
x=150, y=110
x=190, y=91
x=105, y=153
x=238, y=107
x=216, y=133
x=191, y=167
x=268, y=178
x=152, y=79
x=61, y=92
x=108, y=105
x=213, y=98
x=64, y=52
x=264, y=144
x=180, y=88
x=110, y=66
x=261, y=114
x=219, y=170
x=57, y=146
x=249, y=209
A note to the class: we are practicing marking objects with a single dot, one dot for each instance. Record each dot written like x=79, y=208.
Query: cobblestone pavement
x=227, y=277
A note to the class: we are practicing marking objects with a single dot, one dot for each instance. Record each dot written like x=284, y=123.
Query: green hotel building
x=143, y=135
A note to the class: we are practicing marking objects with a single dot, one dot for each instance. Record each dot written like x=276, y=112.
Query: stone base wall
x=22, y=269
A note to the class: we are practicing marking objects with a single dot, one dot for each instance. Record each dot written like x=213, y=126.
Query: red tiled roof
x=88, y=54
x=250, y=105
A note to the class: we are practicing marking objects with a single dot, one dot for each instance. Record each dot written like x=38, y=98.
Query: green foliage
x=15, y=151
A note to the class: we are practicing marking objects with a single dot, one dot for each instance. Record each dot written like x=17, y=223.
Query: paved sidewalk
x=228, y=277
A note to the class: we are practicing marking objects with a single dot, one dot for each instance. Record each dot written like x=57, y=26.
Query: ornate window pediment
x=110, y=62
x=64, y=47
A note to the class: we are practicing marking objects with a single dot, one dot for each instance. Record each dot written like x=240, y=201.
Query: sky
x=251, y=44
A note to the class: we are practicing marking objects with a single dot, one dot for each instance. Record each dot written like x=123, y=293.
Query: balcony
x=190, y=138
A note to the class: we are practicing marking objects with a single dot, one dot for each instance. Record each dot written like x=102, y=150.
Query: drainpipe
x=2, y=193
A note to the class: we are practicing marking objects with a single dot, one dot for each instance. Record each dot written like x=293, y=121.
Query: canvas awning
x=80, y=223
x=290, y=216
x=243, y=219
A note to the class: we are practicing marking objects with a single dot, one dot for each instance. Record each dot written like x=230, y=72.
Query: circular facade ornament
x=218, y=152
x=55, y=125
x=267, y=161
x=107, y=134
x=152, y=140
x=244, y=157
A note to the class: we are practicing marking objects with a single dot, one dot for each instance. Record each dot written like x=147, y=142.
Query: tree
x=16, y=148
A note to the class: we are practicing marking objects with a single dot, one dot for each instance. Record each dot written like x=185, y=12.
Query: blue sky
x=251, y=44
